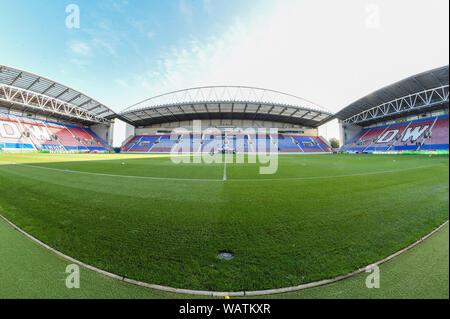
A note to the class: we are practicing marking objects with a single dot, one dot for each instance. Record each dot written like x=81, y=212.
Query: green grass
x=300, y=225
x=422, y=272
x=28, y=270
x=31, y=271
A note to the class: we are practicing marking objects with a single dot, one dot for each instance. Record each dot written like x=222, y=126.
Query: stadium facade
x=38, y=114
x=236, y=113
x=410, y=115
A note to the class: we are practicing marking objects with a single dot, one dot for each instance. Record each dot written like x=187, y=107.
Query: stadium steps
x=375, y=140
x=23, y=132
x=424, y=137
x=57, y=139
x=400, y=134
x=420, y=134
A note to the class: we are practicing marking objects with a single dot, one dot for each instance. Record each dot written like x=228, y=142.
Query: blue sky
x=331, y=52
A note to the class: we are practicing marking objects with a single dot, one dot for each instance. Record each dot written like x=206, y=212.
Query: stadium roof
x=226, y=102
x=428, y=89
x=30, y=92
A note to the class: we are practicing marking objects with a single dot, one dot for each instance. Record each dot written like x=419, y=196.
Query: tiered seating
x=262, y=143
x=251, y=143
x=396, y=140
x=40, y=135
x=246, y=144
x=413, y=135
x=212, y=144
x=438, y=139
x=185, y=143
x=371, y=137
x=423, y=134
x=143, y=144
x=86, y=138
x=164, y=145
x=66, y=138
x=135, y=139
x=24, y=133
x=241, y=143
x=11, y=134
x=324, y=145
x=286, y=145
x=196, y=144
x=309, y=144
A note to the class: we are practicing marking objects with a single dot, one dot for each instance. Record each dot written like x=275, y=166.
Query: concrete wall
x=103, y=131
x=349, y=131
x=121, y=132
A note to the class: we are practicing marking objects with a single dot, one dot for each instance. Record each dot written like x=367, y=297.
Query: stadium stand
x=163, y=144
x=240, y=144
x=20, y=133
x=423, y=134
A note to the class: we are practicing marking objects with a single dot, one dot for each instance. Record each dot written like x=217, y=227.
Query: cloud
x=117, y=6
x=80, y=48
x=104, y=44
x=199, y=62
x=121, y=83
x=138, y=25
x=79, y=62
x=299, y=48
x=141, y=27
x=104, y=25
x=185, y=10
x=104, y=38
x=207, y=6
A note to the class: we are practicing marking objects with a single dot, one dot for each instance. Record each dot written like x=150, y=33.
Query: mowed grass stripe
x=225, y=176
x=31, y=271
x=169, y=233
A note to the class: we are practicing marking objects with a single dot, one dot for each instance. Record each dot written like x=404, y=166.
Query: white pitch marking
x=225, y=170
x=230, y=180
x=123, y=176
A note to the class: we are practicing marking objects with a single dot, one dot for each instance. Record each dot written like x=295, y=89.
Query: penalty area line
x=225, y=176
x=120, y=176
x=225, y=170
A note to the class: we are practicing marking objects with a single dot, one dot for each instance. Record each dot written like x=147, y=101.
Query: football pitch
x=146, y=218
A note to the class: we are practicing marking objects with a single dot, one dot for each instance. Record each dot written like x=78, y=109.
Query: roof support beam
x=62, y=93
x=44, y=103
x=51, y=86
x=305, y=114
x=33, y=83
x=84, y=103
x=95, y=107
x=257, y=112
x=45, y=93
x=404, y=104
x=173, y=115
x=74, y=98
x=16, y=78
x=268, y=113
x=162, y=115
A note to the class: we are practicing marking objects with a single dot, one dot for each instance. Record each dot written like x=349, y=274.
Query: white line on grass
x=333, y=176
x=225, y=170
x=123, y=176
x=229, y=180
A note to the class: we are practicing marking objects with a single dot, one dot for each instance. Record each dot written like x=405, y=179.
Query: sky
x=124, y=51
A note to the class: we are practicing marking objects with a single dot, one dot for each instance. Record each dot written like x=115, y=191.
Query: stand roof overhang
x=226, y=102
x=27, y=91
x=428, y=90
